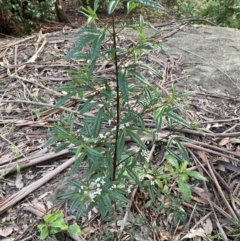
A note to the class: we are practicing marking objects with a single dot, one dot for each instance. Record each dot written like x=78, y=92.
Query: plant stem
x=118, y=99
x=117, y=123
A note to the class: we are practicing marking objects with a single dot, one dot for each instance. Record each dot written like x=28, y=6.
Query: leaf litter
x=30, y=70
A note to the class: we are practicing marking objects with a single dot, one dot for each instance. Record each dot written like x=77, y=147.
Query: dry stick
x=234, y=134
x=37, y=84
x=201, y=220
x=225, y=214
x=231, y=128
x=220, y=190
x=190, y=145
x=12, y=200
x=216, y=148
x=224, y=236
x=41, y=104
x=30, y=161
x=221, y=96
x=161, y=137
x=199, y=163
x=7, y=46
x=190, y=218
x=128, y=209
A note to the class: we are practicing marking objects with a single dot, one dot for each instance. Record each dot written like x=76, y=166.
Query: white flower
x=92, y=196
x=98, y=191
x=102, y=182
x=152, y=182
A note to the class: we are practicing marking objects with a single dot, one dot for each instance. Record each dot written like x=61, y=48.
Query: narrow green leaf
x=106, y=199
x=96, y=45
x=118, y=196
x=77, y=163
x=138, y=76
x=89, y=104
x=159, y=124
x=92, y=152
x=60, y=130
x=151, y=193
x=109, y=161
x=135, y=66
x=171, y=152
x=182, y=150
x=62, y=146
x=136, y=139
x=112, y=6
x=74, y=204
x=97, y=123
x=75, y=184
x=178, y=119
x=67, y=195
x=83, y=41
x=80, y=210
x=133, y=175
x=159, y=113
x=123, y=86
x=120, y=143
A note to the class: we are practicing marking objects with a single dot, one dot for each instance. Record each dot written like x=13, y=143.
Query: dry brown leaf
x=29, y=176
x=220, y=168
x=200, y=200
x=194, y=233
x=207, y=226
x=18, y=182
x=40, y=206
x=163, y=236
x=4, y=158
x=44, y=195
x=5, y=231
x=35, y=92
x=202, y=155
x=234, y=140
x=9, y=108
x=224, y=141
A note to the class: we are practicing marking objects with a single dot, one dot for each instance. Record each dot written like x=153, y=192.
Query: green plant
x=25, y=12
x=226, y=12
x=112, y=133
x=54, y=224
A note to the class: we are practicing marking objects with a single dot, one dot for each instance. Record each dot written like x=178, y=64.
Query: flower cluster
x=96, y=188
x=145, y=153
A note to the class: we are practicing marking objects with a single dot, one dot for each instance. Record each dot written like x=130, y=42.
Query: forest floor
x=32, y=67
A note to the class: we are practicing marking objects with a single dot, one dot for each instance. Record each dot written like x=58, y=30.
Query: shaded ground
x=198, y=58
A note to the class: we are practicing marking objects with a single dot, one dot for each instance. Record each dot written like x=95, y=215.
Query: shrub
x=111, y=135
